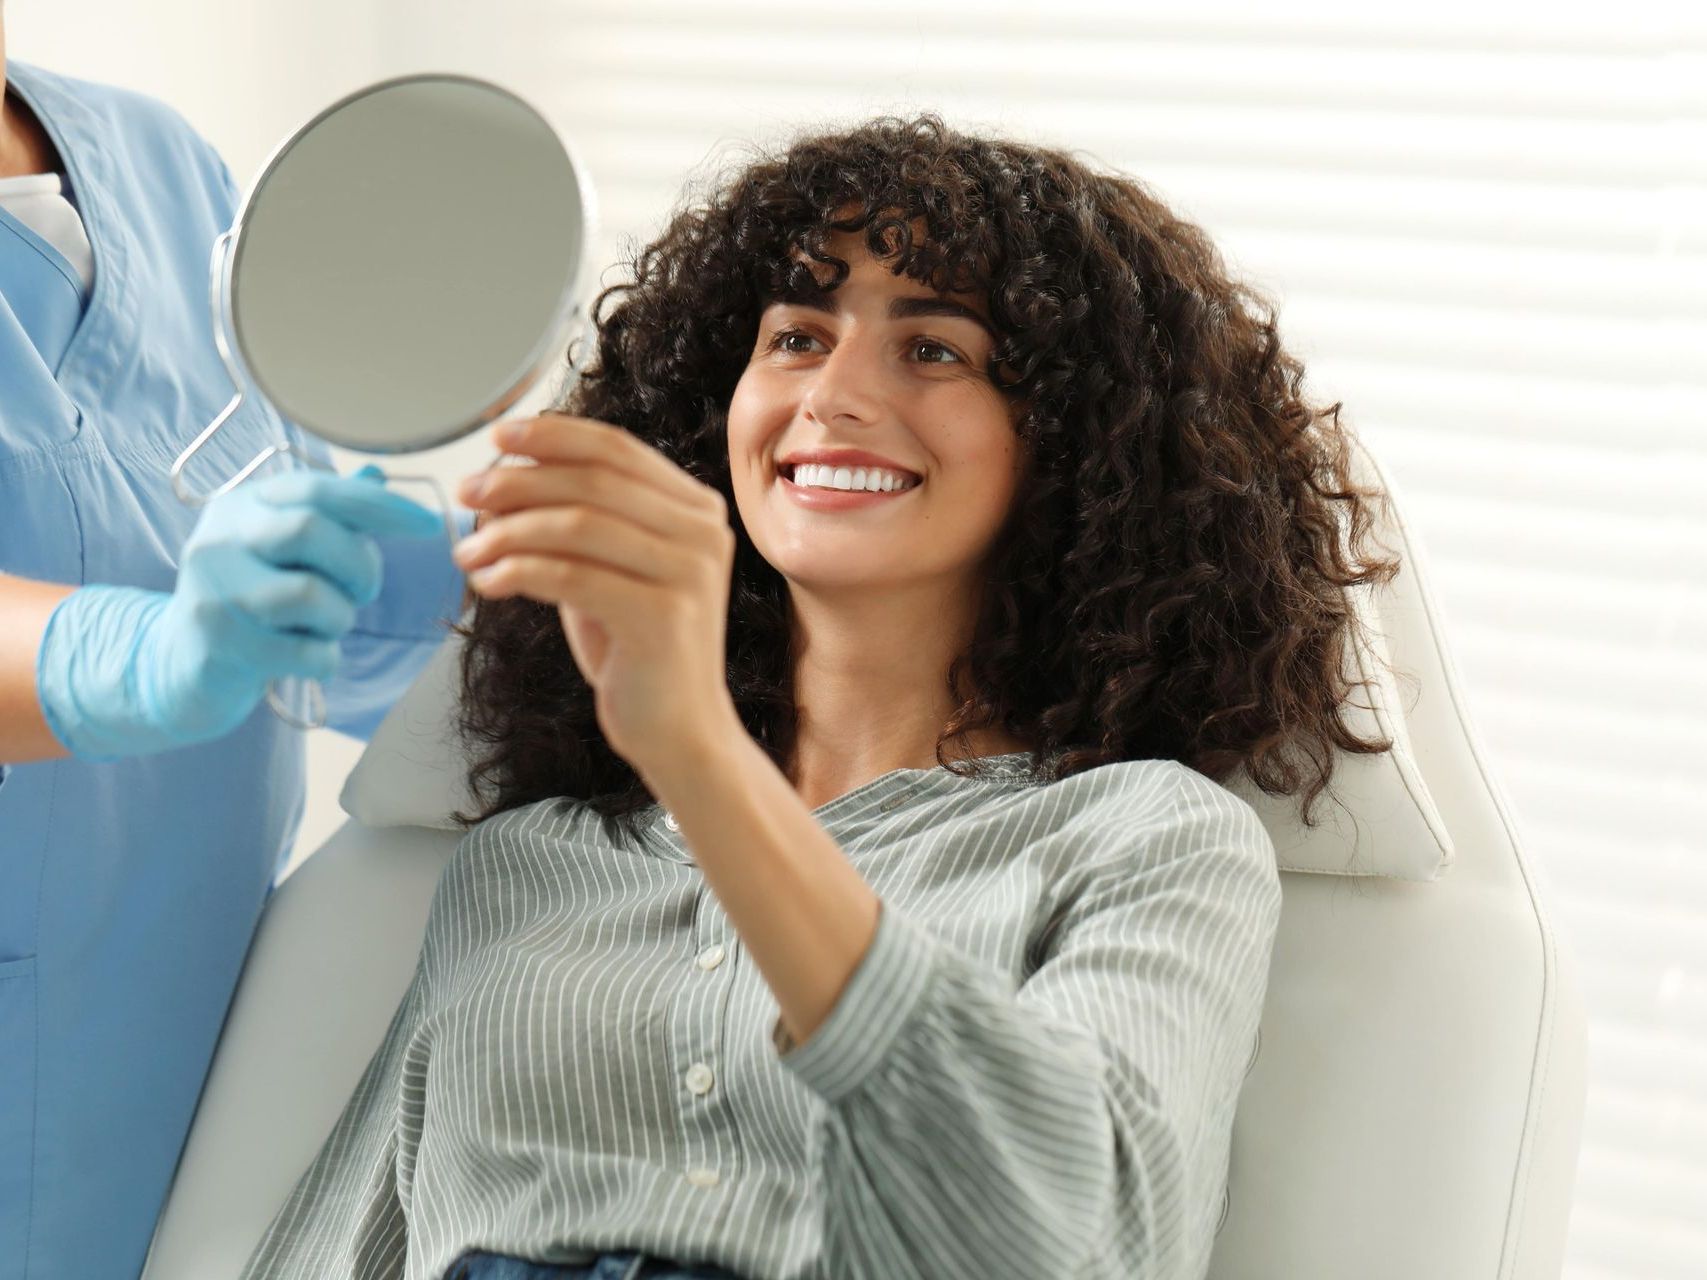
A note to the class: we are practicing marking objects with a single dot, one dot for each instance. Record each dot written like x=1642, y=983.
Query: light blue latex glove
x=270, y=578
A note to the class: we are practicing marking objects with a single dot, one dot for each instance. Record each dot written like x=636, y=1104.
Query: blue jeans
x=607, y=1266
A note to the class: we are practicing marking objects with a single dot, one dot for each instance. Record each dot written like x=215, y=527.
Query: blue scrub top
x=129, y=890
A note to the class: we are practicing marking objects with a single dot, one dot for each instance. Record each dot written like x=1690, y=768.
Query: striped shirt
x=1032, y=1071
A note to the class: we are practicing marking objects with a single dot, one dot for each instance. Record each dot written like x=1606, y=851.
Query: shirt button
x=711, y=957
x=703, y=1177
x=699, y=1078
x=671, y=823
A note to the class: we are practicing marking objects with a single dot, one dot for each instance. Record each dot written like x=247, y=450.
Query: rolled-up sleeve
x=1079, y=1125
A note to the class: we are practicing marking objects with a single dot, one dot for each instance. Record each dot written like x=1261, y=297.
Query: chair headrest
x=1376, y=819
x=413, y=772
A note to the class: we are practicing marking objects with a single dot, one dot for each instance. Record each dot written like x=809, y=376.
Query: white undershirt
x=36, y=200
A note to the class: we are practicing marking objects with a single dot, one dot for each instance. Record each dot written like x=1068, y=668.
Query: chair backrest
x=1412, y=1111
x=1415, y=1104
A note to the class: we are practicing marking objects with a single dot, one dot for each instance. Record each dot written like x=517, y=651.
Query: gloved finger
x=358, y=504
x=275, y=654
x=300, y=537
x=296, y=600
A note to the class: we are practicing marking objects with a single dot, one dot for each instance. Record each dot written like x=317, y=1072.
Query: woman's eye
x=779, y=341
x=922, y=343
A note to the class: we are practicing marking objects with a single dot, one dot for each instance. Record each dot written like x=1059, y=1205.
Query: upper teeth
x=873, y=478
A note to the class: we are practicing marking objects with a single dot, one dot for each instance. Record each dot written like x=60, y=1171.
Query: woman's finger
x=593, y=485
x=583, y=533
x=607, y=594
x=562, y=438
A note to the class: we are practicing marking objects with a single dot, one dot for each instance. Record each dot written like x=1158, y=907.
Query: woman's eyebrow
x=907, y=308
x=899, y=308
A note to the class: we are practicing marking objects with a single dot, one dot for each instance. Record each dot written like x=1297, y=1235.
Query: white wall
x=245, y=72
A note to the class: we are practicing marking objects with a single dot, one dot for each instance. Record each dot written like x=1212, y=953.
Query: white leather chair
x=1412, y=1113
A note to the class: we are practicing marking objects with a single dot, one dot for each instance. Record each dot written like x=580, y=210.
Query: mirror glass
x=406, y=264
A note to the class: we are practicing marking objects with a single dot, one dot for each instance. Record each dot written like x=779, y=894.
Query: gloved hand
x=270, y=577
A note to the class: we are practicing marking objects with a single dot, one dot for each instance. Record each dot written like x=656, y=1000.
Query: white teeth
x=872, y=479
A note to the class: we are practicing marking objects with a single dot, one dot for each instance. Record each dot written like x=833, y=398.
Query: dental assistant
x=148, y=796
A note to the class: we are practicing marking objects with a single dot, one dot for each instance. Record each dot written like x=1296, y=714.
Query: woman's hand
x=635, y=553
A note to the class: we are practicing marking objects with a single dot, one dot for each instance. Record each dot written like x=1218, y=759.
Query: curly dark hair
x=1172, y=579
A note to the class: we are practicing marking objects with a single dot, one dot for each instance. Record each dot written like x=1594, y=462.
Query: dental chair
x=1412, y=1110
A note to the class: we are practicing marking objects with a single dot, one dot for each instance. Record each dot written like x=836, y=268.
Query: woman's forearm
x=25, y=606
x=802, y=911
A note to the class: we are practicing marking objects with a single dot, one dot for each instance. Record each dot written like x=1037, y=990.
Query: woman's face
x=868, y=367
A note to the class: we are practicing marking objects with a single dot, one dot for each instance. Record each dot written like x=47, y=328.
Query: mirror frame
x=229, y=250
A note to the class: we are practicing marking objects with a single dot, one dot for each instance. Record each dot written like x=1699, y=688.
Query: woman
x=858, y=899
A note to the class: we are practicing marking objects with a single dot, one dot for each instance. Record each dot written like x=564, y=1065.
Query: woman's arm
x=25, y=606
x=804, y=913
x=1081, y=1125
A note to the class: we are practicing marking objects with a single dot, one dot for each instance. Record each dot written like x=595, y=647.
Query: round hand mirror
x=402, y=271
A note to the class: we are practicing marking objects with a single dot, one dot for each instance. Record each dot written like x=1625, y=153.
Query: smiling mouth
x=787, y=473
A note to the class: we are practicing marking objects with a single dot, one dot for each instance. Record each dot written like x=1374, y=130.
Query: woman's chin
x=808, y=573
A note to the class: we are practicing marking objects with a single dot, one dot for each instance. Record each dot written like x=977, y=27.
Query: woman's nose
x=848, y=383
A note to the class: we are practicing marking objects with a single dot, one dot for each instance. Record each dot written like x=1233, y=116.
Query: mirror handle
x=432, y=482
x=281, y=698
x=219, y=286
x=279, y=692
